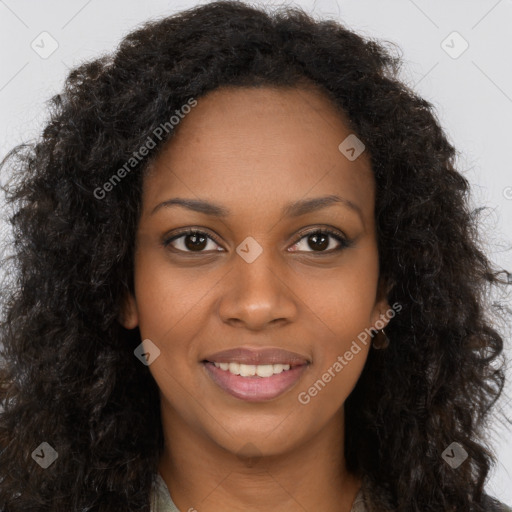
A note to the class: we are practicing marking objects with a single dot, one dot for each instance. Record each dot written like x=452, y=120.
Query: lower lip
x=255, y=389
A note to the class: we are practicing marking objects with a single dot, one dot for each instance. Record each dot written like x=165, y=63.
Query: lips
x=256, y=388
x=257, y=356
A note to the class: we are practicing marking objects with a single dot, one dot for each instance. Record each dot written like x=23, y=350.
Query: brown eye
x=195, y=242
x=319, y=240
x=191, y=241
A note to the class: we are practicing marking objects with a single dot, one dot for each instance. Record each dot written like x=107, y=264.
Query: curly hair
x=69, y=375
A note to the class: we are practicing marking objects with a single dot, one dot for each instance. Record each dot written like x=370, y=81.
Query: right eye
x=191, y=240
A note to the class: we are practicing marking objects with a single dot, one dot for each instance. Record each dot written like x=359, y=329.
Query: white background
x=472, y=92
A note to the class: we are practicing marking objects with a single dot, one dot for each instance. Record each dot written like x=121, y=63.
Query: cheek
x=341, y=346
x=326, y=391
x=168, y=302
x=341, y=309
x=166, y=305
x=168, y=299
x=343, y=302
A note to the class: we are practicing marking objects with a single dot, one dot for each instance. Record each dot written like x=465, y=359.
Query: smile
x=254, y=383
x=250, y=370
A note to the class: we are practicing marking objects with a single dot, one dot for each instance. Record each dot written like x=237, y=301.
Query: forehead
x=245, y=145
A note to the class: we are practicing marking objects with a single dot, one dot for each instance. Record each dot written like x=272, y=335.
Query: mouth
x=254, y=383
x=255, y=374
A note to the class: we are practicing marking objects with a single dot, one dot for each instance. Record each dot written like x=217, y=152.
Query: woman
x=247, y=278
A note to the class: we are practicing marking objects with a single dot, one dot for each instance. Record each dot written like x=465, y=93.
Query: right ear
x=129, y=317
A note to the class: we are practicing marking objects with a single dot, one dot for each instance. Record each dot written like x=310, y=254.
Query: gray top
x=161, y=500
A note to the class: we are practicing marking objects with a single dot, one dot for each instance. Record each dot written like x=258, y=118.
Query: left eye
x=320, y=239
x=197, y=241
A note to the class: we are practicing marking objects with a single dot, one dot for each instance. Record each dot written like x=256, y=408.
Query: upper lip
x=257, y=356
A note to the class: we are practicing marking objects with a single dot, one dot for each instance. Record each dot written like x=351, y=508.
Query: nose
x=256, y=295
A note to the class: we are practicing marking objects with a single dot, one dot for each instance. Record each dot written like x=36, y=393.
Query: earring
x=380, y=340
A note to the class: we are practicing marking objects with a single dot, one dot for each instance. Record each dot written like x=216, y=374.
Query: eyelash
x=344, y=243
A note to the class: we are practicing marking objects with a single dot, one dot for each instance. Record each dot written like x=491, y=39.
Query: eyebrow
x=294, y=209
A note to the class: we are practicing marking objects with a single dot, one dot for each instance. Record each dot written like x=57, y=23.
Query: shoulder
x=374, y=499
x=493, y=505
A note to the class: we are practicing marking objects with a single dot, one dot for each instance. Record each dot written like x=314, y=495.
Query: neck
x=203, y=475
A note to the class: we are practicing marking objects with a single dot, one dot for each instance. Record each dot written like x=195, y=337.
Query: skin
x=253, y=151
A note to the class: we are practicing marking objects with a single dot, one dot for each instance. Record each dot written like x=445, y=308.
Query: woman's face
x=260, y=275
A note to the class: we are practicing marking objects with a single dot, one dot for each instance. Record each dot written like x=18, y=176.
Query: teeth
x=246, y=370
x=249, y=370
